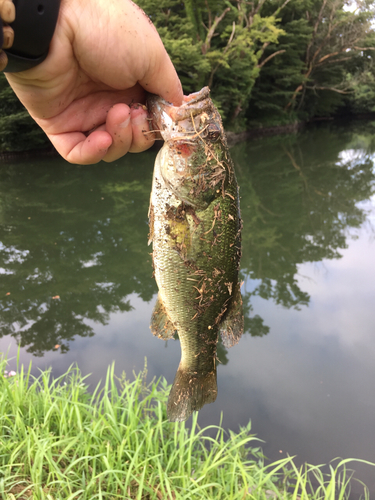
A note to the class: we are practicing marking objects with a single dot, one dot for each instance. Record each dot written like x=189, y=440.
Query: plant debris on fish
x=195, y=228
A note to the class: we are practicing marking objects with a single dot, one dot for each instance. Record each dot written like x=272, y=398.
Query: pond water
x=76, y=285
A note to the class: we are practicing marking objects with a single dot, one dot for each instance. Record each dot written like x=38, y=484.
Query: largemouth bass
x=195, y=229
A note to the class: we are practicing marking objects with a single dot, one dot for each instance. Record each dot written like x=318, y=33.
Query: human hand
x=7, y=14
x=104, y=56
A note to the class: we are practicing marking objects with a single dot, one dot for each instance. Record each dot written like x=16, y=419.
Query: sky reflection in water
x=304, y=371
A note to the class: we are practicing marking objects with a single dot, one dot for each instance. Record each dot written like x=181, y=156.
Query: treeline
x=272, y=61
x=267, y=62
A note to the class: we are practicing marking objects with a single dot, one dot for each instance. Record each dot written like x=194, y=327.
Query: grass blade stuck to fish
x=58, y=441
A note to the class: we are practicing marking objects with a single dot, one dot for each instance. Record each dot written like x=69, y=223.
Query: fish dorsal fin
x=231, y=328
x=161, y=326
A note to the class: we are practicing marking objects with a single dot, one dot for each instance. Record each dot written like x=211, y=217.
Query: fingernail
x=125, y=123
x=8, y=12
x=8, y=36
x=139, y=119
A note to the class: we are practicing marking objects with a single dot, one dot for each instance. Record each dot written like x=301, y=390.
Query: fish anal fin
x=232, y=326
x=190, y=391
x=161, y=326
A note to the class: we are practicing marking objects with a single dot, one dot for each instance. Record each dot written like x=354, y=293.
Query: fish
x=195, y=230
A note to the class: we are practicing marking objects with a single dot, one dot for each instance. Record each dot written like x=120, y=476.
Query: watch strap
x=33, y=31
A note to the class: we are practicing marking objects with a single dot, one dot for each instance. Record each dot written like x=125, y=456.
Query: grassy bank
x=60, y=442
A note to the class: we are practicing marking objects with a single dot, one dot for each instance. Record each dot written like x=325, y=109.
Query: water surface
x=76, y=285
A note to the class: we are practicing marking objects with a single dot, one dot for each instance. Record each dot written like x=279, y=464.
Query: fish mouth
x=193, y=105
x=175, y=121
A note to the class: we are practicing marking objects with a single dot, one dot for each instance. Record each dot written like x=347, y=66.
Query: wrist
x=33, y=28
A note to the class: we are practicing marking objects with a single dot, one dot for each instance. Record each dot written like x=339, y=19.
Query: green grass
x=60, y=442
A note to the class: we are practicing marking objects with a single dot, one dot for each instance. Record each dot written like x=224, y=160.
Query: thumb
x=163, y=80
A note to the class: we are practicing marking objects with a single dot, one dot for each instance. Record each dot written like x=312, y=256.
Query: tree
x=221, y=44
x=361, y=75
x=337, y=36
x=322, y=40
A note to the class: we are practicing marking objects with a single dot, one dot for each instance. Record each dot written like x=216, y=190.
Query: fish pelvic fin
x=161, y=326
x=190, y=391
x=232, y=326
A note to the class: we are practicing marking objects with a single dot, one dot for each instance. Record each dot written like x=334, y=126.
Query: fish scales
x=195, y=230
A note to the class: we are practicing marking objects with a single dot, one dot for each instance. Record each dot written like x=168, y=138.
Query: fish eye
x=213, y=132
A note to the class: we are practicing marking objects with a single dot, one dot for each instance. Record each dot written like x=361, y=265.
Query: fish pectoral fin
x=232, y=326
x=161, y=326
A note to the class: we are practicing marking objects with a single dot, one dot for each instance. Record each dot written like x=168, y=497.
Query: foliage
x=269, y=62
x=18, y=131
x=322, y=40
x=361, y=75
x=59, y=441
x=219, y=44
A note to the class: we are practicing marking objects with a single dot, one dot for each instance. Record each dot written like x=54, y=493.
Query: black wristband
x=33, y=31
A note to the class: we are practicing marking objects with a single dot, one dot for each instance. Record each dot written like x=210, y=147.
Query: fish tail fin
x=190, y=391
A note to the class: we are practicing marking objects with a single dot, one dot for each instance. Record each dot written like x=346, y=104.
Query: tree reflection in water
x=77, y=233
x=73, y=240
x=299, y=198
